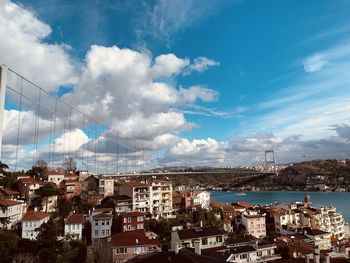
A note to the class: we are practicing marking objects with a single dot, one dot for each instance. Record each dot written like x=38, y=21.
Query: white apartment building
x=31, y=221
x=161, y=198
x=11, y=211
x=254, y=223
x=284, y=220
x=253, y=253
x=202, y=198
x=55, y=177
x=101, y=224
x=73, y=226
x=155, y=197
x=106, y=185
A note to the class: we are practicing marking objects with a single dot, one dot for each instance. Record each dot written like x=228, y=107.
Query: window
x=129, y=227
x=73, y=227
x=103, y=232
x=107, y=232
x=107, y=222
x=129, y=219
x=121, y=250
x=125, y=220
x=96, y=223
x=219, y=239
x=139, y=218
x=204, y=241
x=103, y=222
x=138, y=250
x=96, y=232
x=139, y=226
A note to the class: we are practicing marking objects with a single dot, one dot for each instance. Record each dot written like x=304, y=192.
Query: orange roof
x=130, y=239
x=243, y=204
x=8, y=202
x=9, y=191
x=75, y=219
x=101, y=216
x=34, y=216
x=29, y=181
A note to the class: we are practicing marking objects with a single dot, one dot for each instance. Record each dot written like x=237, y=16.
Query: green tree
x=40, y=170
x=46, y=191
x=8, y=245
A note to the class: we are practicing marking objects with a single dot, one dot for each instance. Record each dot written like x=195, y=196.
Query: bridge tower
x=3, y=77
x=270, y=161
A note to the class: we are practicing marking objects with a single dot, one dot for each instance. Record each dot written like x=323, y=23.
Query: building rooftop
x=242, y=249
x=8, y=202
x=29, y=181
x=199, y=232
x=75, y=219
x=34, y=216
x=102, y=216
x=129, y=239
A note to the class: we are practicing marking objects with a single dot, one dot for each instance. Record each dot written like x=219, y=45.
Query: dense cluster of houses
x=121, y=206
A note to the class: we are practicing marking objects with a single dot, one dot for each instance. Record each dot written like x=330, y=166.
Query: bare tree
x=69, y=164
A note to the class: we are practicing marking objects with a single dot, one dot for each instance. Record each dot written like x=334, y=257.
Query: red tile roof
x=9, y=192
x=8, y=202
x=102, y=216
x=34, y=216
x=29, y=181
x=75, y=219
x=130, y=239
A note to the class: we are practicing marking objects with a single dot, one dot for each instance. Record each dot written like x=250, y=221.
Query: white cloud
x=315, y=63
x=23, y=48
x=201, y=64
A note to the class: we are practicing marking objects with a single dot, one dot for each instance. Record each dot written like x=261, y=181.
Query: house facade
x=10, y=212
x=254, y=223
x=73, y=226
x=130, y=221
x=31, y=221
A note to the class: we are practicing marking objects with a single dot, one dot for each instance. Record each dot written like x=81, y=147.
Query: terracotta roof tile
x=8, y=202
x=129, y=239
x=34, y=216
x=75, y=219
x=29, y=181
x=127, y=214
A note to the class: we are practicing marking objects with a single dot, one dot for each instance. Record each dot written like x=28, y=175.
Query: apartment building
x=120, y=203
x=154, y=197
x=201, y=198
x=101, y=224
x=73, y=226
x=286, y=219
x=254, y=223
x=10, y=212
x=106, y=185
x=130, y=221
x=31, y=221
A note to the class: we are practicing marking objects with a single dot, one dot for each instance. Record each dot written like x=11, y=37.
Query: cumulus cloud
x=23, y=48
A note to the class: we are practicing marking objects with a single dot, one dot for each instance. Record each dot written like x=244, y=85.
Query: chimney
x=35, y=209
x=137, y=241
x=176, y=248
x=201, y=223
x=198, y=248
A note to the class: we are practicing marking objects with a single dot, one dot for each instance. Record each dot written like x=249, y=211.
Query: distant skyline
x=218, y=81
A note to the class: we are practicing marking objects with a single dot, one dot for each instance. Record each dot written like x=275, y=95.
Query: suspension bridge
x=36, y=124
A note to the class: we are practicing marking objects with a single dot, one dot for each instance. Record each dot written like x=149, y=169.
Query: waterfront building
x=202, y=199
x=31, y=221
x=73, y=226
x=254, y=223
x=11, y=212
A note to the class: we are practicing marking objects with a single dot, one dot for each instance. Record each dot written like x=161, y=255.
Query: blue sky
x=278, y=67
